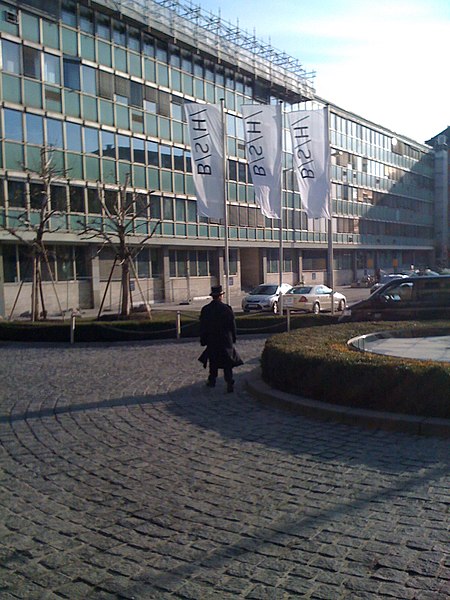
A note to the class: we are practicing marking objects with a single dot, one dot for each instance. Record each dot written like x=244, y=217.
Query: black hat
x=216, y=291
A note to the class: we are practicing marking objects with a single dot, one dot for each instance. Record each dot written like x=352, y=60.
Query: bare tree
x=46, y=172
x=121, y=220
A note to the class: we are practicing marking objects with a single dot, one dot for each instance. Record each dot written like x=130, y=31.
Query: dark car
x=385, y=279
x=410, y=298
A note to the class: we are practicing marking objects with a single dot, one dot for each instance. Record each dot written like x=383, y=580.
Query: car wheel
x=275, y=308
x=341, y=305
x=316, y=308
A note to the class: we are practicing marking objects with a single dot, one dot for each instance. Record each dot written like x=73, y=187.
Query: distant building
x=441, y=145
x=103, y=84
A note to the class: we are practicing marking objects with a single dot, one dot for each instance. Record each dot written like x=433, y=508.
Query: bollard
x=288, y=312
x=178, y=324
x=72, y=327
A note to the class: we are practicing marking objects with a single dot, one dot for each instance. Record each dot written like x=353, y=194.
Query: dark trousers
x=214, y=370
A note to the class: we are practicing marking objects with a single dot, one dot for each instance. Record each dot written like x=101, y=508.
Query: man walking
x=218, y=334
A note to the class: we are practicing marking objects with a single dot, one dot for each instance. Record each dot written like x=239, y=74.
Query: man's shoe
x=211, y=383
x=230, y=388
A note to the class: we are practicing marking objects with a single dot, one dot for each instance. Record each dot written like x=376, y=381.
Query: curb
x=324, y=411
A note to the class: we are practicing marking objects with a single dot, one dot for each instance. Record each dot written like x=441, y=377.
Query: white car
x=313, y=298
x=265, y=297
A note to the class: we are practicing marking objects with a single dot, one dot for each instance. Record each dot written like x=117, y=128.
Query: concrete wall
x=69, y=295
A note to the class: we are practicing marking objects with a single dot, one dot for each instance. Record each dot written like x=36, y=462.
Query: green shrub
x=162, y=326
x=322, y=366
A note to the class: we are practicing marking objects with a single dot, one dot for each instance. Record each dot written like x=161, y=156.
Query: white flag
x=262, y=130
x=310, y=144
x=206, y=134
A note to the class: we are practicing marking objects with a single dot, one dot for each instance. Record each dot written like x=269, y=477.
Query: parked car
x=313, y=298
x=385, y=279
x=410, y=298
x=265, y=297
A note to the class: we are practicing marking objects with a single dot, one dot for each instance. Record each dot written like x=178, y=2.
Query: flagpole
x=280, y=302
x=225, y=210
x=330, y=207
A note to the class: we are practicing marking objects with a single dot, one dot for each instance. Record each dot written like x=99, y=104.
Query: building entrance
x=251, y=268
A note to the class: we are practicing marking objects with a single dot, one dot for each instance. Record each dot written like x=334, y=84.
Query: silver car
x=265, y=297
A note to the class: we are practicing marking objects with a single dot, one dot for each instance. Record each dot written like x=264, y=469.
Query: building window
x=138, y=150
x=152, y=154
x=37, y=195
x=233, y=261
x=124, y=145
x=58, y=198
x=17, y=194
x=166, y=157
x=69, y=13
x=31, y=62
x=178, y=263
x=105, y=85
x=287, y=261
x=51, y=68
x=54, y=133
x=94, y=203
x=91, y=141
x=103, y=27
x=168, y=209
x=76, y=194
x=81, y=263
x=10, y=263
x=273, y=260
x=13, y=125
x=147, y=263
x=197, y=261
x=71, y=68
x=73, y=137
x=34, y=129
x=86, y=20
x=89, y=75
x=11, y=57
x=155, y=207
x=119, y=33
x=134, y=39
x=64, y=263
x=108, y=144
x=136, y=94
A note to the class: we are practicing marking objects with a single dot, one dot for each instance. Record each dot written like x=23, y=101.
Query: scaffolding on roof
x=209, y=32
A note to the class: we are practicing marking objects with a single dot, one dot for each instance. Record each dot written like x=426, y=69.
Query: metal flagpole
x=225, y=209
x=280, y=141
x=330, y=207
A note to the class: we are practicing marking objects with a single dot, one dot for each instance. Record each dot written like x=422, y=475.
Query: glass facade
x=106, y=98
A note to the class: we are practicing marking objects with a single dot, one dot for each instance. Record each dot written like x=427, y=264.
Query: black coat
x=218, y=334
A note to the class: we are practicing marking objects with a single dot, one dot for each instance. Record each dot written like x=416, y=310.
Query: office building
x=100, y=87
x=440, y=143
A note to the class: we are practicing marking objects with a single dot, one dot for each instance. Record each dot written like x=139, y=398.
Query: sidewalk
x=427, y=348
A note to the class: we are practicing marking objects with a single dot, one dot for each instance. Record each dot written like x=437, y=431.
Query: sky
x=385, y=60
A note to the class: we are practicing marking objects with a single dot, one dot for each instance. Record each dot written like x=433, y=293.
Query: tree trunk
x=34, y=296
x=125, y=289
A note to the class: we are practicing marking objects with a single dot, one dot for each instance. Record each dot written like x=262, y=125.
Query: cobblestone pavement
x=123, y=476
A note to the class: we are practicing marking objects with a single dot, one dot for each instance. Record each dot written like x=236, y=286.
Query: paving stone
x=137, y=481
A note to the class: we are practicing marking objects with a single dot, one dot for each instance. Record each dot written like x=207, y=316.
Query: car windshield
x=389, y=277
x=300, y=290
x=264, y=290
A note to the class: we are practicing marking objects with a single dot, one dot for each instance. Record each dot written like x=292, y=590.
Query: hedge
x=162, y=326
x=321, y=366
